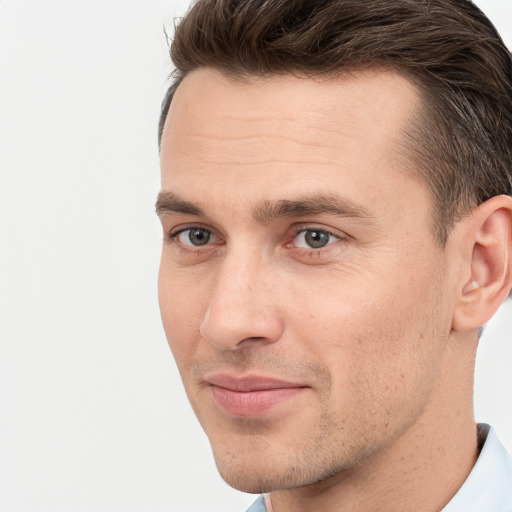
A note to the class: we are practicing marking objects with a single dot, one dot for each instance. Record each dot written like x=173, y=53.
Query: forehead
x=344, y=103
x=280, y=135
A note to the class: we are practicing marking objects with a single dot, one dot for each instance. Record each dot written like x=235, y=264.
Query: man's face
x=302, y=292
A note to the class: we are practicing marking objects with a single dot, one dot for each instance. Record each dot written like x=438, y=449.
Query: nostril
x=254, y=339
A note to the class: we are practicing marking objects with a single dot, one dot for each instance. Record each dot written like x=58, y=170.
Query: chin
x=249, y=483
x=246, y=471
x=254, y=472
x=260, y=472
x=256, y=482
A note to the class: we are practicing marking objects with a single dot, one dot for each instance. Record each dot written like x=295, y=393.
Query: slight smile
x=251, y=395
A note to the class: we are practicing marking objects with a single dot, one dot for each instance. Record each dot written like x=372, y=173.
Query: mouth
x=251, y=396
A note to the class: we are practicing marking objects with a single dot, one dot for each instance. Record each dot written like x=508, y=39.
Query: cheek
x=383, y=347
x=182, y=304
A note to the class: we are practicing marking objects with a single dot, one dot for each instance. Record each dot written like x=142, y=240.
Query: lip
x=250, y=396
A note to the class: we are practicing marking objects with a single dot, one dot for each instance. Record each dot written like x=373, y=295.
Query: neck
x=421, y=470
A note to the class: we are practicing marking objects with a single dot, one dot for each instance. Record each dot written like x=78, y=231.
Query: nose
x=242, y=309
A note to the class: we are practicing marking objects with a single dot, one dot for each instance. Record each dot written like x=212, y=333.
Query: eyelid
x=322, y=229
x=173, y=234
x=216, y=239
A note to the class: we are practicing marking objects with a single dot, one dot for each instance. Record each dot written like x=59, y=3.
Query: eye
x=193, y=236
x=314, y=239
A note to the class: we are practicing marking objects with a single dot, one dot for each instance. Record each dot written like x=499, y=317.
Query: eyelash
x=311, y=252
x=318, y=251
x=171, y=238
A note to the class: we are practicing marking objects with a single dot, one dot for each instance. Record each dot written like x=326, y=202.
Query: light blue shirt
x=488, y=487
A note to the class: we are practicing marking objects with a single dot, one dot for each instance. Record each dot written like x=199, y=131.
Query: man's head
x=319, y=322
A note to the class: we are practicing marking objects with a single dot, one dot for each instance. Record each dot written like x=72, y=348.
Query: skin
x=379, y=327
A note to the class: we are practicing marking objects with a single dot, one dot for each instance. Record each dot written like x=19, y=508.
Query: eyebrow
x=167, y=202
x=317, y=204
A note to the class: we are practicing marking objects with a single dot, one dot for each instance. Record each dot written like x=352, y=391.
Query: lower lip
x=252, y=403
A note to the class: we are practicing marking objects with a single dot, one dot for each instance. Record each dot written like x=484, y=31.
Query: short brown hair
x=461, y=139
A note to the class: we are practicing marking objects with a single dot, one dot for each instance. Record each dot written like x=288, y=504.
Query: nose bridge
x=242, y=306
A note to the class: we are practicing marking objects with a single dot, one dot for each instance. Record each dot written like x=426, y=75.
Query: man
x=337, y=229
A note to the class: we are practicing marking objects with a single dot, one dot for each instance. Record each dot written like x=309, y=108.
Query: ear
x=488, y=267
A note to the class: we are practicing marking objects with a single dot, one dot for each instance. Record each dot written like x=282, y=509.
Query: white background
x=93, y=417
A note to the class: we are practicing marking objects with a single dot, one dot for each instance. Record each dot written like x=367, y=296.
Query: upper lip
x=250, y=382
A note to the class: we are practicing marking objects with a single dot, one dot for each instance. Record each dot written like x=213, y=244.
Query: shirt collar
x=489, y=485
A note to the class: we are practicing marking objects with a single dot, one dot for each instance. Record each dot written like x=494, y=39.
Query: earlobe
x=489, y=264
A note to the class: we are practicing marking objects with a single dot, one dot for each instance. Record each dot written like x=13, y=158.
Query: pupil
x=316, y=239
x=199, y=236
